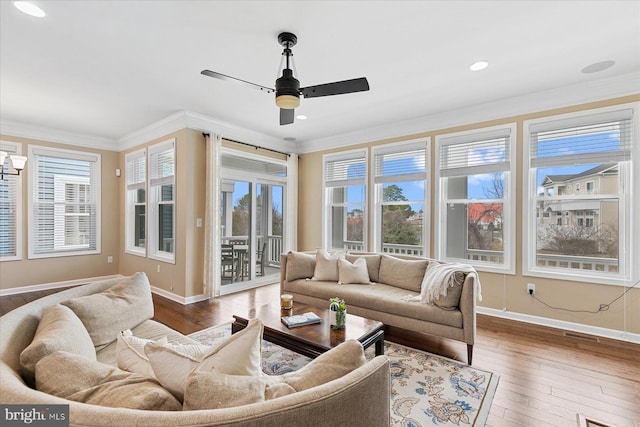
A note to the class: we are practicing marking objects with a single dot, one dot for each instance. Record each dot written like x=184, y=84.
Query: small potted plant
x=338, y=312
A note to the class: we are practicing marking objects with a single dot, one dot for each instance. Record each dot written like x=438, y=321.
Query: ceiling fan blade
x=235, y=80
x=336, y=88
x=286, y=116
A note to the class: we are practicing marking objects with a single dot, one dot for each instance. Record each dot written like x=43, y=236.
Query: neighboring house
x=576, y=211
x=571, y=202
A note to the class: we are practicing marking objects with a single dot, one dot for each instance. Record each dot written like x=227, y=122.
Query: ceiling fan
x=288, y=88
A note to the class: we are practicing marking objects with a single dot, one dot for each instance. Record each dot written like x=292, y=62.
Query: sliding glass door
x=252, y=222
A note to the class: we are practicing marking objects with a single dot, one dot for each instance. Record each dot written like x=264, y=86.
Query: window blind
x=344, y=171
x=406, y=164
x=161, y=164
x=475, y=154
x=136, y=170
x=599, y=138
x=9, y=208
x=65, y=193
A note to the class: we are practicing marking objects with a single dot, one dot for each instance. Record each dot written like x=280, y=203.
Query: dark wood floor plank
x=546, y=379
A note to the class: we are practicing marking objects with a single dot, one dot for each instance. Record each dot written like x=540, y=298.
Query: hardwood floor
x=546, y=378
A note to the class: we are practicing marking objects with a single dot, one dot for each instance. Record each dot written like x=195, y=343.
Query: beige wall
x=500, y=291
x=28, y=272
x=184, y=278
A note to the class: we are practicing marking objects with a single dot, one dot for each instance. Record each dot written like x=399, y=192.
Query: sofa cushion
x=300, y=265
x=130, y=353
x=373, y=264
x=326, y=265
x=240, y=354
x=77, y=378
x=59, y=329
x=378, y=297
x=120, y=307
x=210, y=390
x=402, y=273
x=353, y=273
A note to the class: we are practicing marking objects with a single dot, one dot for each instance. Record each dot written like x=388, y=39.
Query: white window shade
x=478, y=154
x=599, y=138
x=162, y=164
x=408, y=164
x=136, y=170
x=64, y=199
x=350, y=170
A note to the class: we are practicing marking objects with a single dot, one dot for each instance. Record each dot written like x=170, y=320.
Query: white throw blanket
x=439, y=277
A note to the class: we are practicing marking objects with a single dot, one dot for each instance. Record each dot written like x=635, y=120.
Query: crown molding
x=580, y=93
x=24, y=130
x=190, y=120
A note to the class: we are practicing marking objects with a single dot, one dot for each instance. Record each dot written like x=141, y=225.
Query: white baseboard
x=178, y=298
x=561, y=324
x=54, y=285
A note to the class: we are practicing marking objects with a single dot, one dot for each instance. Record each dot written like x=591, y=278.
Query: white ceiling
x=109, y=68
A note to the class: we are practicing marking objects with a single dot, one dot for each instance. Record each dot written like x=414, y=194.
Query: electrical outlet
x=531, y=288
x=158, y=268
x=109, y=259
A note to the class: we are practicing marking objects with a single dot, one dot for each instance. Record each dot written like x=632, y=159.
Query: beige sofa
x=360, y=397
x=392, y=280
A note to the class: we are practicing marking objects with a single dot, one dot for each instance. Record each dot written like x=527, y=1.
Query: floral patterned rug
x=426, y=390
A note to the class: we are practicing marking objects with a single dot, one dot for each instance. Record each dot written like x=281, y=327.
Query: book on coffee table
x=296, y=320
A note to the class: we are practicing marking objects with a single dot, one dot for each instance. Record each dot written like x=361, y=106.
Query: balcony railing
x=609, y=265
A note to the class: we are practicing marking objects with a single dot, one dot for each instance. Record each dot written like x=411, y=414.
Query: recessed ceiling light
x=301, y=117
x=597, y=67
x=29, y=8
x=480, y=65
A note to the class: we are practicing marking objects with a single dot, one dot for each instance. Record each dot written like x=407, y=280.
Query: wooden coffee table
x=312, y=340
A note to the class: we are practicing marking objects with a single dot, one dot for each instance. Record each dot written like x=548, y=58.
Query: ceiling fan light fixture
x=287, y=102
x=287, y=90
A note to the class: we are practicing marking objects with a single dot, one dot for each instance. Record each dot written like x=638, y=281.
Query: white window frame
x=131, y=203
x=509, y=204
x=377, y=183
x=67, y=250
x=15, y=186
x=154, y=200
x=327, y=202
x=629, y=232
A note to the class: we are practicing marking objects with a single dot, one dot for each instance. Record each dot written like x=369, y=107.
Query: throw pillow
x=326, y=266
x=240, y=354
x=300, y=266
x=373, y=264
x=353, y=273
x=120, y=307
x=77, y=378
x=402, y=273
x=211, y=390
x=59, y=329
x=130, y=353
x=329, y=366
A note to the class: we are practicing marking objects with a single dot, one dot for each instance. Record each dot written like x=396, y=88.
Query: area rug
x=426, y=390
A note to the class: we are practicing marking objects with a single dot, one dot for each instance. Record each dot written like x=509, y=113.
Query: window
x=136, y=205
x=161, y=201
x=64, y=195
x=593, y=152
x=345, y=200
x=400, y=177
x=475, y=186
x=10, y=208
